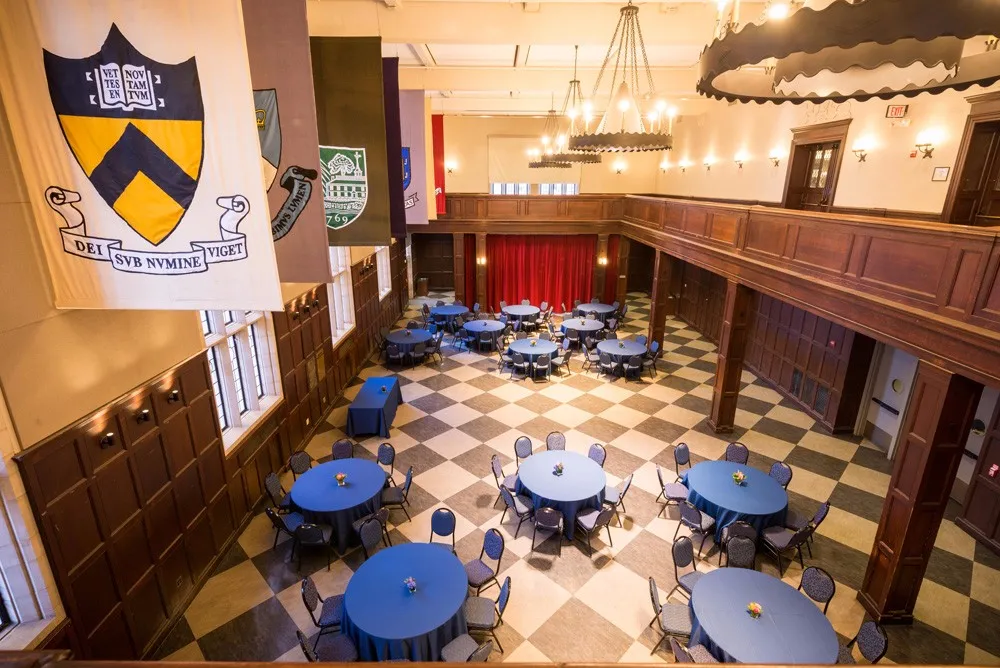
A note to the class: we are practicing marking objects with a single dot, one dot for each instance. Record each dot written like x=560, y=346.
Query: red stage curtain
x=470, y=269
x=611, y=275
x=550, y=268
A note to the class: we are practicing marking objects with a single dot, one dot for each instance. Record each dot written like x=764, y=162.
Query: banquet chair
x=443, y=524
x=413, y=324
x=591, y=315
x=382, y=516
x=641, y=339
x=739, y=528
x=633, y=366
x=696, y=522
x=741, y=553
x=468, y=339
x=283, y=524
x=440, y=303
x=475, y=307
x=343, y=449
x=398, y=497
x=794, y=521
x=519, y=334
x=779, y=540
x=591, y=521
x=649, y=362
x=545, y=336
x=592, y=355
x=392, y=354
x=434, y=347
x=466, y=649
x=522, y=506
x=481, y=575
x=485, y=338
x=279, y=497
x=682, y=552
x=458, y=302
x=597, y=453
x=654, y=349
x=616, y=304
x=483, y=616
x=329, y=609
x=529, y=322
x=782, y=473
x=616, y=496
x=372, y=533
x=872, y=642
x=299, y=463
x=542, y=363
x=554, y=334
x=548, y=519
x=522, y=450
x=502, y=479
x=341, y=649
x=573, y=336
x=519, y=364
x=387, y=457
x=556, y=440
x=525, y=302
x=482, y=316
x=674, y=618
x=818, y=585
x=737, y=453
x=504, y=359
x=595, y=300
x=612, y=324
x=561, y=360
x=690, y=654
x=606, y=365
x=670, y=492
x=503, y=304
x=576, y=303
x=682, y=457
x=543, y=307
x=312, y=535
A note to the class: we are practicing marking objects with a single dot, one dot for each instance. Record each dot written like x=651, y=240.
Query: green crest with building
x=345, y=184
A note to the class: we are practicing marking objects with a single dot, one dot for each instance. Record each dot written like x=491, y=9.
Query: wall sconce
x=173, y=396
x=295, y=314
x=107, y=440
x=450, y=166
x=481, y=261
x=861, y=148
x=860, y=153
x=619, y=166
x=142, y=416
x=664, y=166
x=775, y=157
x=709, y=161
x=683, y=164
x=305, y=307
x=927, y=150
x=926, y=139
x=315, y=303
x=740, y=158
x=602, y=260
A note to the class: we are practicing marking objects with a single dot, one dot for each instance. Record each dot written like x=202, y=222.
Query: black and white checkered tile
x=459, y=412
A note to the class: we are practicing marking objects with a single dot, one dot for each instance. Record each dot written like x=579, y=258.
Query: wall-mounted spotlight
x=481, y=261
x=295, y=314
x=740, y=158
x=862, y=154
x=450, y=166
x=709, y=161
x=602, y=260
x=664, y=166
x=173, y=396
x=143, y=416
x=683, y=164
x=619, y=166
x=107, y=440
x=775, y=157
x=861, y=148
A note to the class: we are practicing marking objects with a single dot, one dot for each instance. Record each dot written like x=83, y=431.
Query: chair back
x=641, y=338
x=818, y=585
x=309, y=534
x=690, y=516
x=659, y=476
x=605, y=359
x=483, y=316
x=371, y=533
x=307, y=649
x=604, y=517
x=503, y=304
x=273, y=487
x=616, y=304
x=564, y=309
x=739, y=528
x=508, y=499
x=595, y=300
x=440, y=302
x=310, y=595
x=300, y=462
x=681, y=655
x=782, y=473
x=520, y=335
x=634, y=362
x=737, y=453
x=485, y=337
x=386, y=454
x=871, y=640
x=482, y=653
x=543, y=361
x=740, y=552
x=420, y=350
x=654, y=347
x=413, y=324
x=525, y=302
x=801, y=535
x=598, y=453
x=623, y=488
x=518, y=359
x=392, y=350
x=408, y=482
x=504, y=596
x=343, y=449
x=493, y=545
x=544, y=306
x=821, y=513
x=576, y=302
x=611, y=335
x=683, y=552
x=565, y=344
x=548, y=518
x=443, y=522
x=545, y=336
x=556, y=440
x=654, y=596
x=522, y=447
x=572, y=335
x=497, y=469
x=682, y=457
x=475, y=307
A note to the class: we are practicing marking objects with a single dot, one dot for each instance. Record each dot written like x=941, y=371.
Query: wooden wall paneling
x=433, y=260
x=458, y=255
x=600, y=270
x=732, y=349
x=621, y=286
x=661, y=301
x=481, y=269
x=640, y=268
x=702, y=296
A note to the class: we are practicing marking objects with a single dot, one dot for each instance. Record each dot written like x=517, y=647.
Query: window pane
x=234, y=358
x=228, y=317
x=255, y=359
x=571, y=189
x=522, y=188
x=220, y=405
x=206, y=324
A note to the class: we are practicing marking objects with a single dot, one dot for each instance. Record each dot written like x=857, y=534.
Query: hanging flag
x=393, y=146
x=285, y=112
x=134, y=128
x=411, y=122
x=347, y=82
x=437, y=141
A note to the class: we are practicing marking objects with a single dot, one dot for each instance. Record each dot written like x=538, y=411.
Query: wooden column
x=621, y=286
x=661, y=300
x=458, y=259
x=600, y=270
x=732, y=349
x=936, y=423
x=481, y=270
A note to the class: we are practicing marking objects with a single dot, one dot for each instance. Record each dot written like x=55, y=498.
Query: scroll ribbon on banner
x=231, y=247
x=296, y=180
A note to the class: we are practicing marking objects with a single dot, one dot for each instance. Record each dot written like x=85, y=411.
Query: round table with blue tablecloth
x=530, y=352
x=621, y=349
x=602, y=310
x=519, y=312
x=405, y=339
x=790, y=629
x=449, y=311
x=585, y=326
x=760, y=500
x=322, y=501
x=386, y=621
x=490, y=327
x=580, y=486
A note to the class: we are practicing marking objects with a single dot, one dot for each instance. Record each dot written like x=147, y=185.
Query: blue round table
x=602, y=310
x=530, y=352
x=407, y=341
x=581, y=485
x=386, y=621
x=582, y=325
x=449, y=311
x=321, y=500
x=791, y=628
x=519, y=312
x=760, y=500
x=491, y=327
x=621, y=349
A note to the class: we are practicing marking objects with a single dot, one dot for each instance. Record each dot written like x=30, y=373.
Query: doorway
x=816, y=154
x=977, y=195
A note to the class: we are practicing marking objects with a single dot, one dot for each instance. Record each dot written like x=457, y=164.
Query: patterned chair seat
x=845, y=655
x=480, y=613
x=460, y=649
x=510, y=481
x=523, y=504
x=675, y=619
x=479, y=573
x=688, y=580
x=780, y=537
x=588, y=518
x=701, y=655
x=333, y=611
x=675, y=491
x=393, y=495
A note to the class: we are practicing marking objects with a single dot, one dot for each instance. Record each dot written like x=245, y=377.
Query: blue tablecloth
x=791, y=628
x=449, y=311
x=318, y=496
x=602, y=310
x=582, y=325
x=530, y=352
x=760, y=501
x=621, y=349
x=386, y=621
x=479, y=326
x=372, y=411
x=518, y=312
x=407, y=341
x=581, y=485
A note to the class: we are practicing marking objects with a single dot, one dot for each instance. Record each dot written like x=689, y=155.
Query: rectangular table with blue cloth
x=373, y=410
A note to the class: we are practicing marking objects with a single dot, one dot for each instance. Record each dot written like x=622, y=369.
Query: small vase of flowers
x=621, y=344
x=408, y=332
x=411, y=585
x=557, y=469
x=754, y=609
x=341, y=479
x=533, y=343
x=740, y=478
x=384, y=389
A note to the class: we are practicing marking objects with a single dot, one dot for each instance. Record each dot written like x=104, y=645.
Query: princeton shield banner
x=139, y=153
x=411, y=123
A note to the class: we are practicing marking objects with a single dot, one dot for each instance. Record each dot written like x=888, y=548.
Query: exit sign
x=896, y=110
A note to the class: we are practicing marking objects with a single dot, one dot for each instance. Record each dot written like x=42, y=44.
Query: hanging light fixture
x=552, y=141
x=633, y=121
x=574, y=111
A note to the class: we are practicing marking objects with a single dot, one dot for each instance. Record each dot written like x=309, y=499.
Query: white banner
x=134, y=125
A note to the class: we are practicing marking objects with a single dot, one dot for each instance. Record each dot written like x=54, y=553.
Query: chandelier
x=632, y=121
x=553, y=142
x=855, y=50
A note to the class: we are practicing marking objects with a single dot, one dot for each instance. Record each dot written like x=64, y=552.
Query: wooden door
x=977, y=201
x=981, y=514
x=815, y=192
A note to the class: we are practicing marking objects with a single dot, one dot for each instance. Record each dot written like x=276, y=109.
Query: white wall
x=974, y=444
x=894, y=364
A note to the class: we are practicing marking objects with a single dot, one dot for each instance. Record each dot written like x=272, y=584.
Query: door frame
x=985, y=108
x=816, y=134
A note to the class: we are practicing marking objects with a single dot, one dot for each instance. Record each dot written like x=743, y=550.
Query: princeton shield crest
x=269, y=132
x=407, y=172
x=135, y=126
x=345, y=184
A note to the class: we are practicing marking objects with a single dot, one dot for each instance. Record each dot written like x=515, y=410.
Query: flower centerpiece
x=754, y=609
x=408, y=332
x=533, y=343
x=739, y=477
x=341, y=479
x=384, y=389
x=557, y=469
x=621, y=344
x=411, y=584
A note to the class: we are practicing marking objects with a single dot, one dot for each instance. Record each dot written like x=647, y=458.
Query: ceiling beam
x=423, y=54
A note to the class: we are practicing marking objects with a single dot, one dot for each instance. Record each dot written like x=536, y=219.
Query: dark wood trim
x=985, y=108
x=736, y=314
x=815, y=134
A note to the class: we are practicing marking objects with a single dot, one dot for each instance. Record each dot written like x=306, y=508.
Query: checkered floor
x=576, y=608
